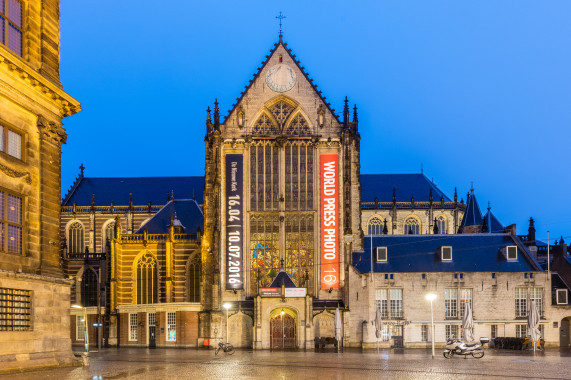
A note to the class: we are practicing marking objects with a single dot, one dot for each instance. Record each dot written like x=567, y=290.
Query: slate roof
x=492, y=223
x=186, y=210
x=470, y=253
x=282, y=276
x=144, y=189
x=407, y=185
x=472, y=215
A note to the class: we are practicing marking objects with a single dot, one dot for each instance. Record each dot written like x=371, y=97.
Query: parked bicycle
x=226, y=347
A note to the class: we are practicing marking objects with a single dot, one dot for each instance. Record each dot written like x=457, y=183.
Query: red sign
x=329, y=221
x=270, y=292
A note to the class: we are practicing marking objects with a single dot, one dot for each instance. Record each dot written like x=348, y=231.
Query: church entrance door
x=282, y=332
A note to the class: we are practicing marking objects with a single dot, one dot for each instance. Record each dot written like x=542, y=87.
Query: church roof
x=261, y=68
x=470, y=253
x=282, y=277
x=473, y=215
x=187, y=211
x=157, y=189
x=381, y=186
x=144, y=189
x=492, y=223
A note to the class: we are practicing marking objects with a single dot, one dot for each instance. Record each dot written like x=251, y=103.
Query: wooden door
x=282, y=332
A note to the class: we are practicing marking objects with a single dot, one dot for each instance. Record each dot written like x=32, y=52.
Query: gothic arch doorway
x=283, y=329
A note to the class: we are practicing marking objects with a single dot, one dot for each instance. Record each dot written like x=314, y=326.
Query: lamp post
x=86, y=332
x=227, y=306
x=431, y=297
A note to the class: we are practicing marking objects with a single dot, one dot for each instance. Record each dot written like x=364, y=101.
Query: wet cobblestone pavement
x=132, y=363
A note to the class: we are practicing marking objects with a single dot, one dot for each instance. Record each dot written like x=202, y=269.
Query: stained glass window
x=264, y=177
x=298, y=177
x=264, y=248
x=299, y=249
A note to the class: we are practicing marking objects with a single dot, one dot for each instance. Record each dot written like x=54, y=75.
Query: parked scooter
x=457, y=347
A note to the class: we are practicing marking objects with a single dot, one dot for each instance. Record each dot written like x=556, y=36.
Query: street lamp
x=227, y=306
x=86, y=333
x=431, y=297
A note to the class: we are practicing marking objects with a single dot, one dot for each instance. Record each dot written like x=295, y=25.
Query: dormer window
x=381, y=254
x=511, y=252
x=446, y=253
x=562, y=297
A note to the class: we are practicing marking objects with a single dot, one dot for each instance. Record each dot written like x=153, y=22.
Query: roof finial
x=346, y=112
x=216, y=114
x=281, y=17
x=472, y=187
x=355, y=116
x=489, y=207
x=82, y=168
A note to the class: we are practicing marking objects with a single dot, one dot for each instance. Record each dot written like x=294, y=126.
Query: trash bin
x=206, y=342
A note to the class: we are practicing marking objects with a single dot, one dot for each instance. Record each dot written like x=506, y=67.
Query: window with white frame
x=425, y=333
x=446, y=253
x=451, y=331
x=562, y=297
x=520, y=331
x=79, y=327
x=536, y=294
x=381, y=254
x=152, y=319
x=133, y=327
x=171, y=327
x=389, y=302
x=464, y=297
x=451, y=303
x=494, y=331
x=520, y=302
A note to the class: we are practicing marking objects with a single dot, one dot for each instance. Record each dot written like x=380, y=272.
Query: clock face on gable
x=280, y=78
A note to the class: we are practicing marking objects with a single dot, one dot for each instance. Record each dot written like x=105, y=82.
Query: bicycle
x=226, y=347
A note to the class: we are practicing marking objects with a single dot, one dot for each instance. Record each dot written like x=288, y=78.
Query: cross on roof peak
x=280, y=17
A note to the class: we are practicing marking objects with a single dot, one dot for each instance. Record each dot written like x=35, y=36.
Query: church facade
x=289, y=230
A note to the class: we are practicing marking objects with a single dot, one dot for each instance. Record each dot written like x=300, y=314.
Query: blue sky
x=472, y=91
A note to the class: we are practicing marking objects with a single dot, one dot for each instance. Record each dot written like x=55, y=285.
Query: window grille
x=15, y=309
x=375, y=226
x=79, y=328
x=152, y=319
x=451, y=303
x=452, y=332
x=11, y=223
x=133, y=327
x=171, y=327
x=520, y=302
x=520, y=331
x=11, y=25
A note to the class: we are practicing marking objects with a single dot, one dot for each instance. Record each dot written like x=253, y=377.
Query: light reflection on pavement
x=141, y=363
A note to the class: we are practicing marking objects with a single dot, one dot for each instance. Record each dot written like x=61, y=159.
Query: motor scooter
x=457, y=347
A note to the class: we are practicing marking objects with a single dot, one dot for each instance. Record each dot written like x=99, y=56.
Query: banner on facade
x=329, y=221
x=295, y=292
x=270, y=292
x=234, y=222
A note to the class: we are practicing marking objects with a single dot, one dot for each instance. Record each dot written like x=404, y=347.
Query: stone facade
x=32, y=105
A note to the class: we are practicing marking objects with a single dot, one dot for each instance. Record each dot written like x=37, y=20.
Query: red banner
x=329, y=221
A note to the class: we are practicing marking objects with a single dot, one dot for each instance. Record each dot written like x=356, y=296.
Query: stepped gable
x=144, y=189
x=187, y=211
x=261, y=68
x=472, y=220
x=406, y=186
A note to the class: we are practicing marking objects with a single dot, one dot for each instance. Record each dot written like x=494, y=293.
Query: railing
x=410, y=205
x=109, y=209
x=83, y=256
x=137, y=238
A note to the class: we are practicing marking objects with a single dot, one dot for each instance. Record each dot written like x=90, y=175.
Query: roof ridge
x=72, y=189
x=264, y=63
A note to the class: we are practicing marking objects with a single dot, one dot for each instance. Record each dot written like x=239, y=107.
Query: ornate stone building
x=34, y=296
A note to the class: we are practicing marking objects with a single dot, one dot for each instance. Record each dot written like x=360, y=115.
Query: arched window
x=375, y=226
x=75, y=238
x=89, y=288
x=147, y=279
x=441, y=224
x=298, y=126
x=411, y=226
x=265, y=126
x=281, y=111
x=108, y=233
x=193, y=279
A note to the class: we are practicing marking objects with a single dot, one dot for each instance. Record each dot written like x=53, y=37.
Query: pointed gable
x=473, y=215
x=282, y=278
x=268, y=107
x=491, y=223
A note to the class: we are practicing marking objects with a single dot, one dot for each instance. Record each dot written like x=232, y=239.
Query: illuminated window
x=411, y=226
x=520, y=331
x=264, y=180
x=146, y=279
x=451, y=332
x=75, y=238
x=264, y=248
x=15, y=309
x=299, y=249
x=10, y=141
x=298, y=177
x=11, y=25
x=389, y=302
x=455, y=301
x=171, y=327
x=79, y=327
x=193, y=283
x=11, y=224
